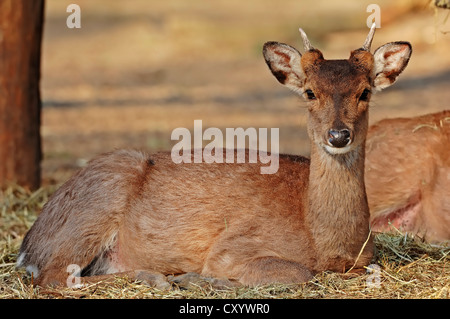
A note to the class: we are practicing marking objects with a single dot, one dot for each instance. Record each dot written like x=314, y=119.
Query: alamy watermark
x=215, y=152
x=73, y=280
x=73, y=21
x=375, y=17
x=374, y=278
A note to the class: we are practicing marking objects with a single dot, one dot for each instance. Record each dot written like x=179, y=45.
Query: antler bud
x=307, y=45
x=368, y=42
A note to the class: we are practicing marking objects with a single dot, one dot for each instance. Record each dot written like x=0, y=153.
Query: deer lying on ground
x=138, y=215
x=408, y=175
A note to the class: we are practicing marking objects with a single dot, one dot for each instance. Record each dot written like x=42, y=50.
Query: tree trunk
x=21, y=26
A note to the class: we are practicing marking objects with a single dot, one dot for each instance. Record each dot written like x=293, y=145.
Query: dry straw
x=409, y=268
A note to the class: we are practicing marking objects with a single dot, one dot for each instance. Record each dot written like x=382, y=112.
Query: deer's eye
x=310, y=95
x=364, y=95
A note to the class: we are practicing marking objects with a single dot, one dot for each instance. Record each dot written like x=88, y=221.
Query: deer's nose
x=339, y=138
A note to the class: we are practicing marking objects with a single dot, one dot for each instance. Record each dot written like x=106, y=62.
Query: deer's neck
x=338, y=212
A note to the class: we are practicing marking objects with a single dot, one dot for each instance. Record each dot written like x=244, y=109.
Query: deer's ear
x=284, y=62
x=389, y=61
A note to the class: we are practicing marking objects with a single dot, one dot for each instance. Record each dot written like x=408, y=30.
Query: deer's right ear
x=284, y=62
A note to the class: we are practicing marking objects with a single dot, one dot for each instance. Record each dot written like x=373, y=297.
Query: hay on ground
x=404, y=267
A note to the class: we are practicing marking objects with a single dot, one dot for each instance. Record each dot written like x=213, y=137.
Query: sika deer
x=408, y=175
x=138, y=214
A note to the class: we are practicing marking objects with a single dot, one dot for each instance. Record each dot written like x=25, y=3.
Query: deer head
x=337, y=91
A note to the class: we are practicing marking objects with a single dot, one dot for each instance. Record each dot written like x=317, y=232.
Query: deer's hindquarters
x=79, y=225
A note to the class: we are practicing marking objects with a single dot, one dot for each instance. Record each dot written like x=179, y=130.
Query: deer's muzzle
x=339, y=138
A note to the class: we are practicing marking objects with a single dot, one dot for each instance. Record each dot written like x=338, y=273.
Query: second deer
x=131, y=213
x=408, y=176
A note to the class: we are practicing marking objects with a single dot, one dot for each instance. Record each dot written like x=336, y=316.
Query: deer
x=129, y=213
x=407, y=176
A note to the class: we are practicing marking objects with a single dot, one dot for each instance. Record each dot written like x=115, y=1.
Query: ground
x=138, y=69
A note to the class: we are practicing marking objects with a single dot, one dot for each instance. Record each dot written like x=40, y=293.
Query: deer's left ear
x=389, y=61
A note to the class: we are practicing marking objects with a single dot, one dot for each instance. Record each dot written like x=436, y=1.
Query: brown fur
x=128, y=211
x=408, y=175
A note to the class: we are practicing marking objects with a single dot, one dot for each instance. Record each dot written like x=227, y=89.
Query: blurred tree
x=21, y=26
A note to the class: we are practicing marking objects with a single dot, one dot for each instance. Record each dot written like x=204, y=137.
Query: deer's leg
x=160, y=281
x=236, y=257
x=189, y=279
x=150, y=278
x=266, y=270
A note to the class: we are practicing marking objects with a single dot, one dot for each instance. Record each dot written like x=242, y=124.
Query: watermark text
x=235, y=146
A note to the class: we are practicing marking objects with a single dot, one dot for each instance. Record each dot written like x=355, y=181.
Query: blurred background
x=138, y=69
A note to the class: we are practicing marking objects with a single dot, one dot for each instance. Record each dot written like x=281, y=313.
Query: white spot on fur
x=20, y=260
x=78, y=286
x=32, y=271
